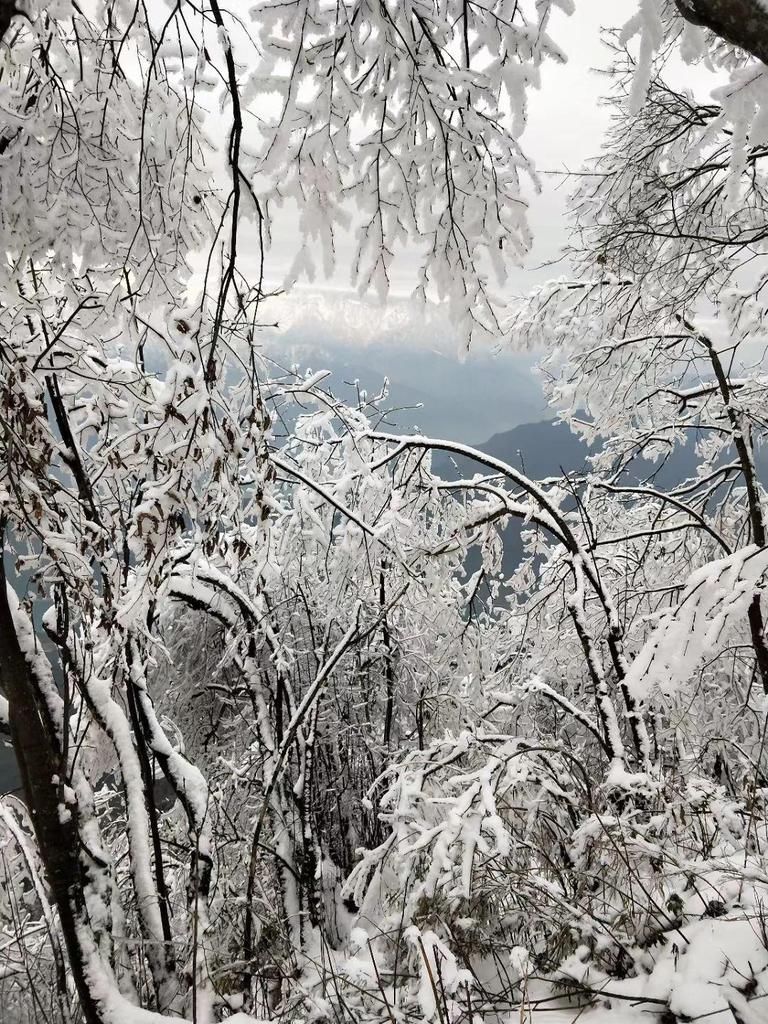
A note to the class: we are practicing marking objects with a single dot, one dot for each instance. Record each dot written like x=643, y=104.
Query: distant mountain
x=549, y=449
x=541, y=449
x=459, y=400
x=417, y=347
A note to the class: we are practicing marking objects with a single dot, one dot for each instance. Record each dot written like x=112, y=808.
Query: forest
x=317, y=720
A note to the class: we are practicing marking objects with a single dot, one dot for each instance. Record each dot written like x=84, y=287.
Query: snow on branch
x=698, y=626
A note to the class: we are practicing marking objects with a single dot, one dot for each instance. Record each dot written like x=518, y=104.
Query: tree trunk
x=33, y=735
x=744, y=23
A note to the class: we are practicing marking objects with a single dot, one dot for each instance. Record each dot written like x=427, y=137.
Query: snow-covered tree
x=623, y=734
x=221, y=657
x=136, y=467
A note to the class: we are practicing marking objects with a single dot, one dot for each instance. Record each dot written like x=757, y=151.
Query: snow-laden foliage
x=413, y=110
x=295, y=740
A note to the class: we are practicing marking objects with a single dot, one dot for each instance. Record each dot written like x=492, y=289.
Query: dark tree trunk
x=37, y=750
x=743, y=23
x=7, y=11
